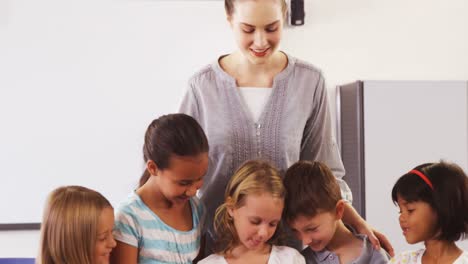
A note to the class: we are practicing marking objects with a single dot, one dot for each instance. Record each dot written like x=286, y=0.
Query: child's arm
x=124, y=253
x=201, y=252
x=127, y=234
x=352, y=218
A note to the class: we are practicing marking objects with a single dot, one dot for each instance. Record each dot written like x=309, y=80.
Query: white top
x=414, y=257
x=278, y=255
x=255, y=98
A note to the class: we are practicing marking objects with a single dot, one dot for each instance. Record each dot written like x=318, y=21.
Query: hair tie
x=424, y=177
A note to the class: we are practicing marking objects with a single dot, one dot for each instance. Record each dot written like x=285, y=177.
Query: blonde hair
x=229, y=7
x=69, y=225
x=253, y=177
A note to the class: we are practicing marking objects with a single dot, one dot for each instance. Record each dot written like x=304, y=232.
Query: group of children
x=162, y=220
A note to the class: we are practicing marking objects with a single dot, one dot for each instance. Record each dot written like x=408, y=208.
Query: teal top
x=157, y=242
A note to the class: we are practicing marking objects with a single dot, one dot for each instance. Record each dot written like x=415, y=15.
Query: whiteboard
x=79, y=86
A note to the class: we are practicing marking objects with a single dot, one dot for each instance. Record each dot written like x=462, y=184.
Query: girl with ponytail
x=160, y=222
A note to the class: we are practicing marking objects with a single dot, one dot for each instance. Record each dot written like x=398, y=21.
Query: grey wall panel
x=351, y=138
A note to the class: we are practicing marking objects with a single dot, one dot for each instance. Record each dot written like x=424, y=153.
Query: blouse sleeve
x=319, y=143
x=190, y=103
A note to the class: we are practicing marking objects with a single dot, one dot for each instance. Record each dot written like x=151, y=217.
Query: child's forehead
x=261, y=198
x=179, y=159
x=262, y=206
x=401, y=200
x=304, y=220
x=188, y=167
x=404, y=201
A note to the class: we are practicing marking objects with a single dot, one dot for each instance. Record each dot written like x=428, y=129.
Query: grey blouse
x=294, y=125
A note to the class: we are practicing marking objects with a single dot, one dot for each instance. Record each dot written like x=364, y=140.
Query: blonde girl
x=76, y=227
x=247, y=224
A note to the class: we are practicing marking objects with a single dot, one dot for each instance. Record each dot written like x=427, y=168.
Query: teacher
x=262, y=103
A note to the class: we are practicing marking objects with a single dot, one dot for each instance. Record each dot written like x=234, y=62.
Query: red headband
x=422, y=176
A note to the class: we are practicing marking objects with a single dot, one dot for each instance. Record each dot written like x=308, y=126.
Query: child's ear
x=152, y=167
x=229, y=20
x=340, y=207
x=229, y=206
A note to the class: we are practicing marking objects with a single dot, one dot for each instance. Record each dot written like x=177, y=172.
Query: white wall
x=157, y=45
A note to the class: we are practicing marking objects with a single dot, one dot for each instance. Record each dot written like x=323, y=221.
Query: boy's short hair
x=311, y=189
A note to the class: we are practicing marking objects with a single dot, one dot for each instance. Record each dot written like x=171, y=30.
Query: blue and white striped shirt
x=157, y=242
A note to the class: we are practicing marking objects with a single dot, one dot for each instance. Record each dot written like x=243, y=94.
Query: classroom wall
x=157, y=45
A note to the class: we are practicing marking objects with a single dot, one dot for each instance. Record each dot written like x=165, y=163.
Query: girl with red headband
x=433, y=201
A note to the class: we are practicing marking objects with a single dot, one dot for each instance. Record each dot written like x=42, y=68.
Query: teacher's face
x=257, y=27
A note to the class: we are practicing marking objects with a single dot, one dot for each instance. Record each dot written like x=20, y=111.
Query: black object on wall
x=297, y=13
